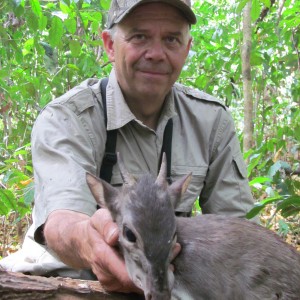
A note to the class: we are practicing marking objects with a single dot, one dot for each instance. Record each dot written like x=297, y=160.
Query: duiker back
x=221, y=257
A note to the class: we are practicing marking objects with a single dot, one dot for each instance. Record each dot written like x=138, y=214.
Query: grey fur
x=222, y=258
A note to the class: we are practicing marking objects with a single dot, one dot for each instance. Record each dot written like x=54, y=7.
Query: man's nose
x=156, y=50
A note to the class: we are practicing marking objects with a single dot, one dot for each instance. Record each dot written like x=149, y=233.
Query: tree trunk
x=247, y=82
x=17, y=286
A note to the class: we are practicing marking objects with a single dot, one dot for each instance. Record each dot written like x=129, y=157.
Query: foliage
x=215, y=67
x=47, y=47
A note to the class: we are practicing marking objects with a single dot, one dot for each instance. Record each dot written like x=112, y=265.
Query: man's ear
x=108, y=45
x=189, y=45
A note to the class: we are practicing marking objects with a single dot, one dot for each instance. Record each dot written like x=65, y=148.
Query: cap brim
x=185, y=9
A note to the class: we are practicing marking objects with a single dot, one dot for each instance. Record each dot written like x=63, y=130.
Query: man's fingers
x=103, y=223
x=175, y=251
x=112, y=272
x=108, y=264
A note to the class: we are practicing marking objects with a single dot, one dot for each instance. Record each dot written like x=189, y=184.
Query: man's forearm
x=65, y=232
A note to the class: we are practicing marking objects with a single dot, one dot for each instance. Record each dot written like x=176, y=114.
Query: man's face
x=149, y=49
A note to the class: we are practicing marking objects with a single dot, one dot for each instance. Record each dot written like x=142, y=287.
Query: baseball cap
x=119, y=9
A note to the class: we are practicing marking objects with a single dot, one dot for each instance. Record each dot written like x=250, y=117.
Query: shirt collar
x=118, y=112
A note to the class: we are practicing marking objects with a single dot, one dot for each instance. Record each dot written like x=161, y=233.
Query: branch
x=264, y=12
x=17, y=286
x=295, y=44
x=280, y=11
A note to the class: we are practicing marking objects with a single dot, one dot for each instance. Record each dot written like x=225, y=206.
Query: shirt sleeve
x=63, y=150
x=226, y=188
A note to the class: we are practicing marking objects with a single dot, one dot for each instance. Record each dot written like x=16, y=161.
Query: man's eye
x=171, y=39
x=139, y=37
x=129, y=235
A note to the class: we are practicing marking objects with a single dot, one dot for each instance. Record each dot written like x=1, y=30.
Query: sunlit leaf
x=259, y=180
x=255, y=10
x=36, y=7
x=267, y=3
x=43, y=22
x=71, y=25
x=56, y=31
x=241, y=5
x=105, y=4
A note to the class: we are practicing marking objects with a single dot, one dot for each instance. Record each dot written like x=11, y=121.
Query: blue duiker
x=222, y=258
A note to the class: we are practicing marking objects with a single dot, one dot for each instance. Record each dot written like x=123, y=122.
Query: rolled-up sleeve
x=63, y=150
x=226, y=189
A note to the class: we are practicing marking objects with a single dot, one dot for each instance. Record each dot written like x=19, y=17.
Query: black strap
x=167, y=148
x=110, y=156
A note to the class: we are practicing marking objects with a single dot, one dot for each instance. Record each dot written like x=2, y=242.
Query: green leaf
x=258, y=207
x=36, y=7
x=72, y=66
x=75, y=48
x=201, y=81
x=256, y=59
x=33, y=22
x=255, y=10
x=43, y=20
x=254, y=160
x=71, y=25
x=19, y=10
x=241, y=6
x=274, y=169
x=283, y=227
x=7, y=201
x=105, y=4
x=64, y=8
x=267, y=3
x=56, y=31
x=259, y=180
x=14, y=177
x=289, y=206
x=29, y=194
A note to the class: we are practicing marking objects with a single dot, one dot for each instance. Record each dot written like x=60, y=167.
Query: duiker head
x=144, y=212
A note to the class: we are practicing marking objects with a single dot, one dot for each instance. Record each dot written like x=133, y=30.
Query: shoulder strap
x=110, y=157
x=167, y=148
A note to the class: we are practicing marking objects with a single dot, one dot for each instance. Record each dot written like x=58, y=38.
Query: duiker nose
x=157, y=295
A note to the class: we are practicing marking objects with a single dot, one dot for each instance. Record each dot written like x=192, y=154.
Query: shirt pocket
x=239, y=165
x=195, y=186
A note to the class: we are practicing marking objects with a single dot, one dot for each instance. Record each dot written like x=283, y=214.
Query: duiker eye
x=129, y=235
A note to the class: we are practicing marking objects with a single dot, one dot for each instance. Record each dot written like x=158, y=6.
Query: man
x=148, y=43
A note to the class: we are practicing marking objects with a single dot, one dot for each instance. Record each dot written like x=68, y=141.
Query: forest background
x=246, y=53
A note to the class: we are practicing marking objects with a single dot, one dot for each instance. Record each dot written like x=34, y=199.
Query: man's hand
x=175, y=251
x=105, y=261
x=85, y=242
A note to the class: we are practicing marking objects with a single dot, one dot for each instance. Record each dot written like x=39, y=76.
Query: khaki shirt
x=69, y=136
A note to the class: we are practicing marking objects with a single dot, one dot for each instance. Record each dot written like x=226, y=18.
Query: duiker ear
x=103, y=192
x=128, y=179
x=178, y=188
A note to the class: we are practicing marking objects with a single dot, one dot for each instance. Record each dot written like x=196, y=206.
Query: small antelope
x=222, y=258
